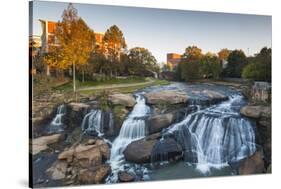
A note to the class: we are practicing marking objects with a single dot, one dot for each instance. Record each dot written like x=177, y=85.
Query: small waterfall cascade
x=133, y=128
x=57, y=123
x=215, y=136
x=93, y=122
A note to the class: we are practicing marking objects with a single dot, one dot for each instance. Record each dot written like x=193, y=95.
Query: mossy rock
x=119, y=113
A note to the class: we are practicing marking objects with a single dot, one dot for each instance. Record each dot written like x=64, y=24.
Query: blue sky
x=162, y=31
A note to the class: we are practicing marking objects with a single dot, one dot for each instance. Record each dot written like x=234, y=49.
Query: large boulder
x=85, y=163
x=140, y=151
x=261, y=92
x=214, y=96
x=42, y=143
x=95, y=176
x=126, y=100
x=77, y=106
x=124, y=176
x=87, y=155
x=253, y=164
x=158, y=122
x=166, y=149
x=151, y=148
x=166, y=97
x=58, y=170
x=256, y=111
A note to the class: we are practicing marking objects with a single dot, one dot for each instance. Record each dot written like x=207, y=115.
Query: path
x=113, y=86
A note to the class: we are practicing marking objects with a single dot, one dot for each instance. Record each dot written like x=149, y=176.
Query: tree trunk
x=74, y=79
x=48, y=70
x=83, y=79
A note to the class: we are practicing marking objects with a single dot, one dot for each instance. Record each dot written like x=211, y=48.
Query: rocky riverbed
x=161, y=132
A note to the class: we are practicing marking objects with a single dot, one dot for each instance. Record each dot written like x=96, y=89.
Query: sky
x=164, y=31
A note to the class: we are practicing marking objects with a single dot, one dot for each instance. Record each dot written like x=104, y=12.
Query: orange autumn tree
x=223, y=54
x=115, y=43
x=75, y=42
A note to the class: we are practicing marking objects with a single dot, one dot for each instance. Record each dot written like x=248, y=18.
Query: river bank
x=144, y=135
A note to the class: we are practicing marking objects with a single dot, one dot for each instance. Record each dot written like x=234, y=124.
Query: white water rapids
x=133, y=128
x=216, y=136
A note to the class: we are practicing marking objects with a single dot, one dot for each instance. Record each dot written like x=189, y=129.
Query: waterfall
x=93, y=123
x=215, y=136
x=57, y=123
x=133, y=128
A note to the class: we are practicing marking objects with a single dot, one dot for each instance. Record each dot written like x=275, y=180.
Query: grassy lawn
x=129, y=89
x=68, y=86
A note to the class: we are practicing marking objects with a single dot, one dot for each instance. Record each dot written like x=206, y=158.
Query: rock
x=150, y=147
x=256, y=111
x=87, y=155
x=41, y=143
x=126, y=100
x=214, y=96
x=119, y=113
x=158, y=122
x=139, y=151
x=166, y=150
x=91, y=142
x=77, y=107
x=58, y=170
x=124, y=176
x=87, y=176
x=101, y=173
x=253, y=164
x=261, y=92
x=166, y=97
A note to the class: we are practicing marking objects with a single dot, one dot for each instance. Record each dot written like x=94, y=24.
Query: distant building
x=48, y=38
x=173, y=59
x=48, y=34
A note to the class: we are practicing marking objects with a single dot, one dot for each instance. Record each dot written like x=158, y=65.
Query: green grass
x=128, y=89
x=68, y=86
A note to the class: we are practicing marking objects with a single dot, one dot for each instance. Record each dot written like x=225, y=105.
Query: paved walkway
x=113, y=86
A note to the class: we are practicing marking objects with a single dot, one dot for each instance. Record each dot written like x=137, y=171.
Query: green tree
x=141, y=61
x=237, y=60
x=210, y=66
x=192, y=53
x=190, y=63
x=259, y=67
x=75, y=42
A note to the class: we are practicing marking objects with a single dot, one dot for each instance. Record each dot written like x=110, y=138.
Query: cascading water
x=92, y=123
x=57, y=123
x=133, y=128
x=216, y=136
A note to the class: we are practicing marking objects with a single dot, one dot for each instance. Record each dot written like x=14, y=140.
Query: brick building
x=173, y=59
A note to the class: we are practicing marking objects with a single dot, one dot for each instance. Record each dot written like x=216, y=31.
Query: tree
x=210, y=66
x=259, y=67
x=223, y=54
x=236, y=61
x=190, y=63
x=141, y=61
x=192, y=53
x=115, y=43
x=75, y=42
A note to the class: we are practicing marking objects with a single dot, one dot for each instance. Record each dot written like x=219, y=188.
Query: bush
x=257, y=71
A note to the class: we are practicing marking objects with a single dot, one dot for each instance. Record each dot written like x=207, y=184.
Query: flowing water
x=216, y=136
x=56, y=125
x=133, y=128
x=93, y=123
